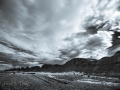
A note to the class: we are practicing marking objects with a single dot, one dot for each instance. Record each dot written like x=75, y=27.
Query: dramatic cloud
x=34, y=32
x=87, y=45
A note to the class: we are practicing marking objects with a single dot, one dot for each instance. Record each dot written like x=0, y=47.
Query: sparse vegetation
x=49, y=81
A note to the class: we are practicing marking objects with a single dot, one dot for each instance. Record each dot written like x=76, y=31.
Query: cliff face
x=104, y=65
x=107, y=65
x=79, y=65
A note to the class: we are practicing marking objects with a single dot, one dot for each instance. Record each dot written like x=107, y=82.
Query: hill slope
x=107, y=65
x=104, y=65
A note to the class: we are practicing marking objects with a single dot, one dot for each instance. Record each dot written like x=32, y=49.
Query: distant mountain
x=76, y=64
x=117, y=53
x=51, y=68
x=107, y=65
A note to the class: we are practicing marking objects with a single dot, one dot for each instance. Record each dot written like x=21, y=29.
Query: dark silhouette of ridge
x=117, y=53
x=106, y=65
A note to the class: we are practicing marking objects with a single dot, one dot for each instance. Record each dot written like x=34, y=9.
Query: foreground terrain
x=56, y=81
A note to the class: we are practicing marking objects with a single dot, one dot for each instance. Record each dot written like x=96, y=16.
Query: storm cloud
x=34, y=32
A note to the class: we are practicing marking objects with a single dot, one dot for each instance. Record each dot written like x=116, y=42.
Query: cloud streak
x=55, y=31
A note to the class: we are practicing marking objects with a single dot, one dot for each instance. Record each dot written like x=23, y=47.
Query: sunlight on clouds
x=58, y=29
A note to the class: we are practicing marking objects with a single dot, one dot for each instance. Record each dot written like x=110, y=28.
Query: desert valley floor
x=56, y=81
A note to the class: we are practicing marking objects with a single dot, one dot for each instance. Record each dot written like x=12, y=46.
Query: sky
x=37, y=32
